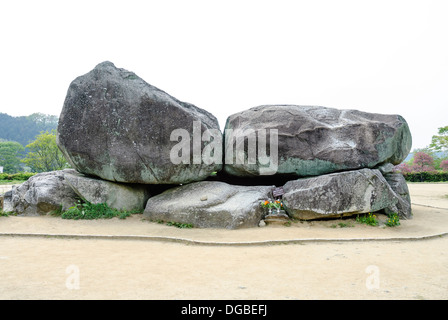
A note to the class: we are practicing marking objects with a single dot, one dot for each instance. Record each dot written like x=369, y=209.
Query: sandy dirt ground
x=139, y=259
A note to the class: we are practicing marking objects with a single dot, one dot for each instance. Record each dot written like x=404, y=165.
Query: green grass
x=21, y=176
x=392, y=220
x=90, y=211
x=342, y=225
x=176, y=224
x=4, y=214
x=10, y=182
x=369, y=219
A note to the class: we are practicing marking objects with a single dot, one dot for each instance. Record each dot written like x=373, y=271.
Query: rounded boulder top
x=116, y=126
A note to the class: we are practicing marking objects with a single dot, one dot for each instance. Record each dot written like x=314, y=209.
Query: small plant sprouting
x=369, y=219
x=3, y=213
x=179, y=224
x=89, y=211
x=342, y=225
x=175, y=224
x=392, y=220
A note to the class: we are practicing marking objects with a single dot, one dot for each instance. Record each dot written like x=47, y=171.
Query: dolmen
x=135, y=147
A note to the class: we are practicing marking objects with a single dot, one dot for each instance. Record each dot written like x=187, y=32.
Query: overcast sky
x=227, y=56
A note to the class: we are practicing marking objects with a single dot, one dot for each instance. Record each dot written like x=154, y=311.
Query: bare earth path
x=304, y=261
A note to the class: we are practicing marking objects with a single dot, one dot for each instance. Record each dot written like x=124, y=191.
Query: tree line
x=34, y=149
x=24, y=129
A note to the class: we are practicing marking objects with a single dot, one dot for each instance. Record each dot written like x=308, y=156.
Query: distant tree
x=444, y=165
x=10, y=154
x=44, y=121
x=44, y=154
x=403, y=168
x=440, y=142
x=423, y=162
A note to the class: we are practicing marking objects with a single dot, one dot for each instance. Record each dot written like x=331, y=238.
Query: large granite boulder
x=120, y=196
x=41, y=194
x=338, y=194
x=117, y=127
x=210, y=204
x=311, y=140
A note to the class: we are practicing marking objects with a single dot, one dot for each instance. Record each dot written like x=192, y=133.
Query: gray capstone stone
x=117, y=127
x=210, y=204
x=312, y=140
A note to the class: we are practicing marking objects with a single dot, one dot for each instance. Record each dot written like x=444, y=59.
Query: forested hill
x=24, y=129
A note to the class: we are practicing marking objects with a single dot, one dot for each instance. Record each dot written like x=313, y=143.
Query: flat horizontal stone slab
x=338, y=194
x=120, y=196
x=210, y=204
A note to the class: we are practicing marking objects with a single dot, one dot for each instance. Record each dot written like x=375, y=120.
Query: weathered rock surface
x=315, y=140
x=117, y=127
x=41, y=194
x=338, y=194
x=210, y=204
x=7, y=201
x=400, y=187
x=116, y=195
x=386, y=168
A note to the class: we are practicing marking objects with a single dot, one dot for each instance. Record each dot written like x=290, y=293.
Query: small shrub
x=437, y=176
x=392, y=220
x=15, y=177
x=175, y=224
x=89, y=211
x=342, y=225
x=179, y=224
x=369, y=219
x=58, y=212
x=3, y=214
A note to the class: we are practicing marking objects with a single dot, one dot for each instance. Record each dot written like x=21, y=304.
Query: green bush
x=369, y=219
x=179, y=225
x=21, y=176
x=392, y=220
x=3, y=214
x=89, y=211
x=439, y=176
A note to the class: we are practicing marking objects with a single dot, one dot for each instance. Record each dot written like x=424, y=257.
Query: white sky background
x=227, y=56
